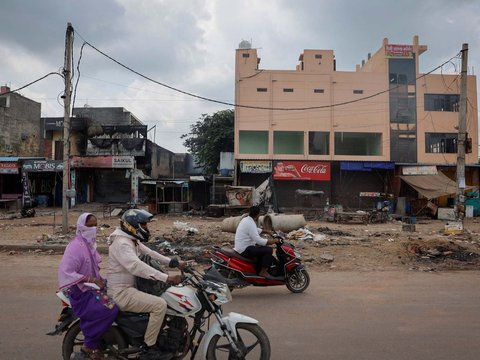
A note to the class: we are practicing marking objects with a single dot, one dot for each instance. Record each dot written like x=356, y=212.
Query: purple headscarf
x=81, y=258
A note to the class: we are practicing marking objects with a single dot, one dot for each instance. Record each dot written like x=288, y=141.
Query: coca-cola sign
x=301, y=170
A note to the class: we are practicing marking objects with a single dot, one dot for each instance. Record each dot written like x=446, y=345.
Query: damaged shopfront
x=42, y=180
x=104, y=179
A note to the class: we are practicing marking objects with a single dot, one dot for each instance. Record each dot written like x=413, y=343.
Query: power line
x=33, y=82
x=249, y=106
x=78, y=77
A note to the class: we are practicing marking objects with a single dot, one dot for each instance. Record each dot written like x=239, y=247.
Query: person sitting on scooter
x=124, y=264
x=250, y=244
x=78, y=270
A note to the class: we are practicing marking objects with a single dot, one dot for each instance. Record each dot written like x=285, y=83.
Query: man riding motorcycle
x=250, y=244
x=124, y=265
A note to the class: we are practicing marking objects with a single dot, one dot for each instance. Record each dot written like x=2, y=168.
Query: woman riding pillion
x=78, y=270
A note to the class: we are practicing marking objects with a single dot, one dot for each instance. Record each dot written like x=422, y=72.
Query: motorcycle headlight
x=297, y=254
x=218, y=293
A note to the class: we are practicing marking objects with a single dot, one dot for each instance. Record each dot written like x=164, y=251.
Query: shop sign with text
x=301, y=170
x=419, y=170
x=110, y=162
x=255, y=167
x=8, y=168
x=393, y=51
x=42, y=165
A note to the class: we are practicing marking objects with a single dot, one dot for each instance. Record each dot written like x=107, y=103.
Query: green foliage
x=209, y=136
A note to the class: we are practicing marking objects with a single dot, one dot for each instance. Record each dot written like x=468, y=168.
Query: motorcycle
x=379, y=216
x=287, y=270
x=234, y=336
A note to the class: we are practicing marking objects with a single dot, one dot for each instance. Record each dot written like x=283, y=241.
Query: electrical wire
x=78, y=77
x=250, y=106
x=32, y=82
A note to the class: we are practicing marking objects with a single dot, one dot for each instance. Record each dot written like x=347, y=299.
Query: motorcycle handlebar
x=279, y=236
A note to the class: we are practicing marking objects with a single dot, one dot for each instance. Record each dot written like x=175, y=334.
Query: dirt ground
x=335, y=247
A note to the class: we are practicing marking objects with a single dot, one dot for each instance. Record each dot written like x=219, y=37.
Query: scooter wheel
x=298, y=281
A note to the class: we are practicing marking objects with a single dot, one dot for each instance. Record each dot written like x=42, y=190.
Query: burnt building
x=19, y=141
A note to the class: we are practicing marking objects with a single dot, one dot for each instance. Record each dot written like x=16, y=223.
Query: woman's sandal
x=92, y=354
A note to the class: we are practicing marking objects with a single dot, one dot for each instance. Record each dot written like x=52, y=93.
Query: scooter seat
x=232, y=253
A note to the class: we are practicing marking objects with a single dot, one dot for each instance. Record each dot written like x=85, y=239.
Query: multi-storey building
x=19, y=141
x=347, y=132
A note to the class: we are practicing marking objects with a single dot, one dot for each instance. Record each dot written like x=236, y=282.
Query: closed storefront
x=290, y=177
x=103, y=178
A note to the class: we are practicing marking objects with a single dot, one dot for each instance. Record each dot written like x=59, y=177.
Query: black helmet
x=131, y=220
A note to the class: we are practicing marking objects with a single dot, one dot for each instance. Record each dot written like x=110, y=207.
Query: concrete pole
x=67, y=73
x=462, y=124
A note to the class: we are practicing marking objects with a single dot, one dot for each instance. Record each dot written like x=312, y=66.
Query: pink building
x=327, y=128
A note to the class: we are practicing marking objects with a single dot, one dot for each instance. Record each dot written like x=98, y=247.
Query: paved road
x=343, y=315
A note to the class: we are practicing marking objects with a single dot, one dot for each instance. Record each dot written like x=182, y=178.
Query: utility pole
x=461, y=140
x=67, y=74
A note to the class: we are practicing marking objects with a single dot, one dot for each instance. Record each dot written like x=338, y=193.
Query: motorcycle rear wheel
x=298, y=281
x=73, y=340
x=252, y=340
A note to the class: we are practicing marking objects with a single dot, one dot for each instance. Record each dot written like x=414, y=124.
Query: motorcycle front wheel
x=298, y=281
x=251, y=340
x=73, y=340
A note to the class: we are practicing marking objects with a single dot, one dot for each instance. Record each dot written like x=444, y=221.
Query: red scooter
x=287, y=270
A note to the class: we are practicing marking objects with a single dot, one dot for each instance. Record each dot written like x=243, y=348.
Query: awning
x=432, y=186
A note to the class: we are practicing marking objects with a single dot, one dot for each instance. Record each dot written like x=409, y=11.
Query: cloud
x=191, y=45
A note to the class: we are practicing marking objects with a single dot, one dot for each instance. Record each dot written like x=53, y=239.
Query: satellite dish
x=244, y=44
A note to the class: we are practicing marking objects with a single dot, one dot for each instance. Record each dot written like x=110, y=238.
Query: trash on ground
x=327, y=231
x=301, y=234
x=183, y=226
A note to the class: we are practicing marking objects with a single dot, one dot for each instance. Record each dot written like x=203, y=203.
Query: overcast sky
x=191, y=45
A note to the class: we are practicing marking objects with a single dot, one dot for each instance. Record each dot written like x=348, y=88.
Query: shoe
x=154, y=353
x=92, y=354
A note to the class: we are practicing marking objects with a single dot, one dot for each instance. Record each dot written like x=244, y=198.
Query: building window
x=441, y=143
x=358, y=91
x=398, y=78
x=442, y=102
x=287, y=90
x=318, y=56
x=253, y=142
x=318, y=91
x=58, y=150
x=261, y=89
x=246, y=55
x=318, y=142
x=288, y=142
x=363, y=144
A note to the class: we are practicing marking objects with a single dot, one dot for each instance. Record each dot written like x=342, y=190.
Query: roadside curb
x=55, y=249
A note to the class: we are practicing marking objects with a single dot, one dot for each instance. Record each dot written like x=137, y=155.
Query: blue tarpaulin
x=366, y=165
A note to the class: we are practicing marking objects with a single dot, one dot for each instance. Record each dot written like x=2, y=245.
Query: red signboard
x=111, y=162
x=8, y=168
x=301, y=170
x=398, y=51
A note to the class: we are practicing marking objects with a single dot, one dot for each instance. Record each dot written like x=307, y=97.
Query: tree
x=209, y=136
